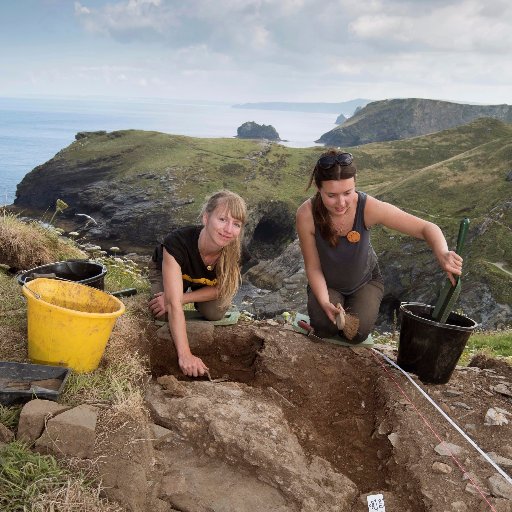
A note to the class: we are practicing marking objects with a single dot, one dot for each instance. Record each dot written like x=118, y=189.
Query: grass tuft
x=25, y=245
x=10, y=416
x=30, y=481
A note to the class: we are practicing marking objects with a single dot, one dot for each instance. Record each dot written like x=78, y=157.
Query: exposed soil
x=304, y=426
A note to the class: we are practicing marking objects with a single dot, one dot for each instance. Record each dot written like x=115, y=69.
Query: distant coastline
x=33, y=130
x=346, y=108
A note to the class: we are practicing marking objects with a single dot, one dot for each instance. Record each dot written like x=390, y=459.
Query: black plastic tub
x=428, y=348
x=86, y=272
x=21, y=382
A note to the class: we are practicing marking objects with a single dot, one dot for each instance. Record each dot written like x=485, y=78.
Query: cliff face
x=119, y=206
x=137, y=185
x=404, y=118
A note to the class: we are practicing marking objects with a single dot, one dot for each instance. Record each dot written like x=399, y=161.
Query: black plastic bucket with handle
x=86, y=272
x=428, y=348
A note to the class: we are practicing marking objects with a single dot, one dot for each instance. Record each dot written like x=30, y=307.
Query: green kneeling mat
x=368, y=342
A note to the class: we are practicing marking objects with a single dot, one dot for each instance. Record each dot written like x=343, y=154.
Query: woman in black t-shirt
x=205, y=259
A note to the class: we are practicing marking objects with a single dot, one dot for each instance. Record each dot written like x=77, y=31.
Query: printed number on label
x=376, y=503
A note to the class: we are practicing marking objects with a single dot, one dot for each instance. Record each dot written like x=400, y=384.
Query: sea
x=33, y=130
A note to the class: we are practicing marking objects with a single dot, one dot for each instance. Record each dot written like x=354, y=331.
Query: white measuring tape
x=459, y=430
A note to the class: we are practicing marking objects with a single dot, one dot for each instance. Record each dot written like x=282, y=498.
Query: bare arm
x=379, y=212
x=173, y=286
x=316, y=279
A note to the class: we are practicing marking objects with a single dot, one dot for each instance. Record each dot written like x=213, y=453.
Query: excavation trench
x=329, y=397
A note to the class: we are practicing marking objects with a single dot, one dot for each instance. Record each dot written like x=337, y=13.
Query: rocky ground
x=293, y=425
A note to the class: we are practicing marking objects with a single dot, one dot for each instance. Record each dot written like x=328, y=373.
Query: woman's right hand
x=331, y=311
x=157, y=304
x=191, y=365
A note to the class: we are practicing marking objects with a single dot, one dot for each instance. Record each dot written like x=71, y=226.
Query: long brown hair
x=320, y=213
x=228, y=264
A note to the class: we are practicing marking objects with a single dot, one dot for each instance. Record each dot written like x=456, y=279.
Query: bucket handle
x=35, y=294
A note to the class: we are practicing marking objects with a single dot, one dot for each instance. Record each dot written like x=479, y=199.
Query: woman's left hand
x=451, y=263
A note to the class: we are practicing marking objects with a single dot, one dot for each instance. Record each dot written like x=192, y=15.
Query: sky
x=258, y=50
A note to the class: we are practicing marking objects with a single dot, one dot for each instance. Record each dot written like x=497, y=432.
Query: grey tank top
x=348, y=266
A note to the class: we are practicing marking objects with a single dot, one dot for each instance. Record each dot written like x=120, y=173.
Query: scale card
x=376, y=503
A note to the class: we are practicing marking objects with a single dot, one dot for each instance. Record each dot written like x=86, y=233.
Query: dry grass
x=25, y=245
x=74, y=496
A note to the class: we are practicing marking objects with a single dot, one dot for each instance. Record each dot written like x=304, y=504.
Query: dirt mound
x=301, y=426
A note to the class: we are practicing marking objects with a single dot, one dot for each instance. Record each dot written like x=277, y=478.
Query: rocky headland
x=404, y=118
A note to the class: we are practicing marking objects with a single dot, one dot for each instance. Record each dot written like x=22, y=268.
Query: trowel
x=310, y=332
x=449, y=293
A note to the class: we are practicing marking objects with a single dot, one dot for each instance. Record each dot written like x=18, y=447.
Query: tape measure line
x=454, y=425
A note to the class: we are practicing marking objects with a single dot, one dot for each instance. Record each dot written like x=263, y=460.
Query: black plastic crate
x=21, y=382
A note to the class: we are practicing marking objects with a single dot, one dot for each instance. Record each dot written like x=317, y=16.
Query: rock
x=440, y=467
x=476, y=492
x=503, y=389
x=85, y=135
x=509, y=176
x=6, y=436
x=70, y=433
x=252, y=130
x=160, y=434
x=459, y=506
x=499, y=505
x=393, y=439
x=462, y=405
x=501, y=461
x=500, y=487
x=452, y=392
x=496, y=416
x=231, y=422
x=449, y=449
x=33, y=417
x=172, y=386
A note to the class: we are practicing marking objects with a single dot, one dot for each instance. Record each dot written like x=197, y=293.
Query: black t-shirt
x=182, y=244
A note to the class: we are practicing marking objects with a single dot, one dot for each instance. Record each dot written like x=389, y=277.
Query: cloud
x=461, y=26
x=327, y=48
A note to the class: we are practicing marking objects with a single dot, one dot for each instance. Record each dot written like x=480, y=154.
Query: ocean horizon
x=33, y=130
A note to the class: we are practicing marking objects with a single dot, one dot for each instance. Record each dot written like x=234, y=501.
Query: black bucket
x=428, y=348
x=79, y=271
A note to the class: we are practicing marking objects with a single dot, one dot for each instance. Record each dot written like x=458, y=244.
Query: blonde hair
x=228, y=264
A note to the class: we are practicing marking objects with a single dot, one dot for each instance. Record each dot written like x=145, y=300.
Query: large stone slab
x=70, y=433
x=34, y=416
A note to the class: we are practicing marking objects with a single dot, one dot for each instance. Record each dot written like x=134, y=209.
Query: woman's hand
x=451, y=263
x=331, y=311
x=191, y=365
x=157, y=304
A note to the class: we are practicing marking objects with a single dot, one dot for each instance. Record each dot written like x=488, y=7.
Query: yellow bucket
x=69, y=324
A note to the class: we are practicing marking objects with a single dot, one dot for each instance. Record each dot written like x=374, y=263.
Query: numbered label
x=376, y=503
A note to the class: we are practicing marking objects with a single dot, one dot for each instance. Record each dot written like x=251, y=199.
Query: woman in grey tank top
x=340, y=263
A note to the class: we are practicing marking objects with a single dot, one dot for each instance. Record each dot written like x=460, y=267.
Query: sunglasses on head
x=327, y=161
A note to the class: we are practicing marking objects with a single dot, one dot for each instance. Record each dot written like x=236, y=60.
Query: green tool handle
x=463, y=230
x=461, y=238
